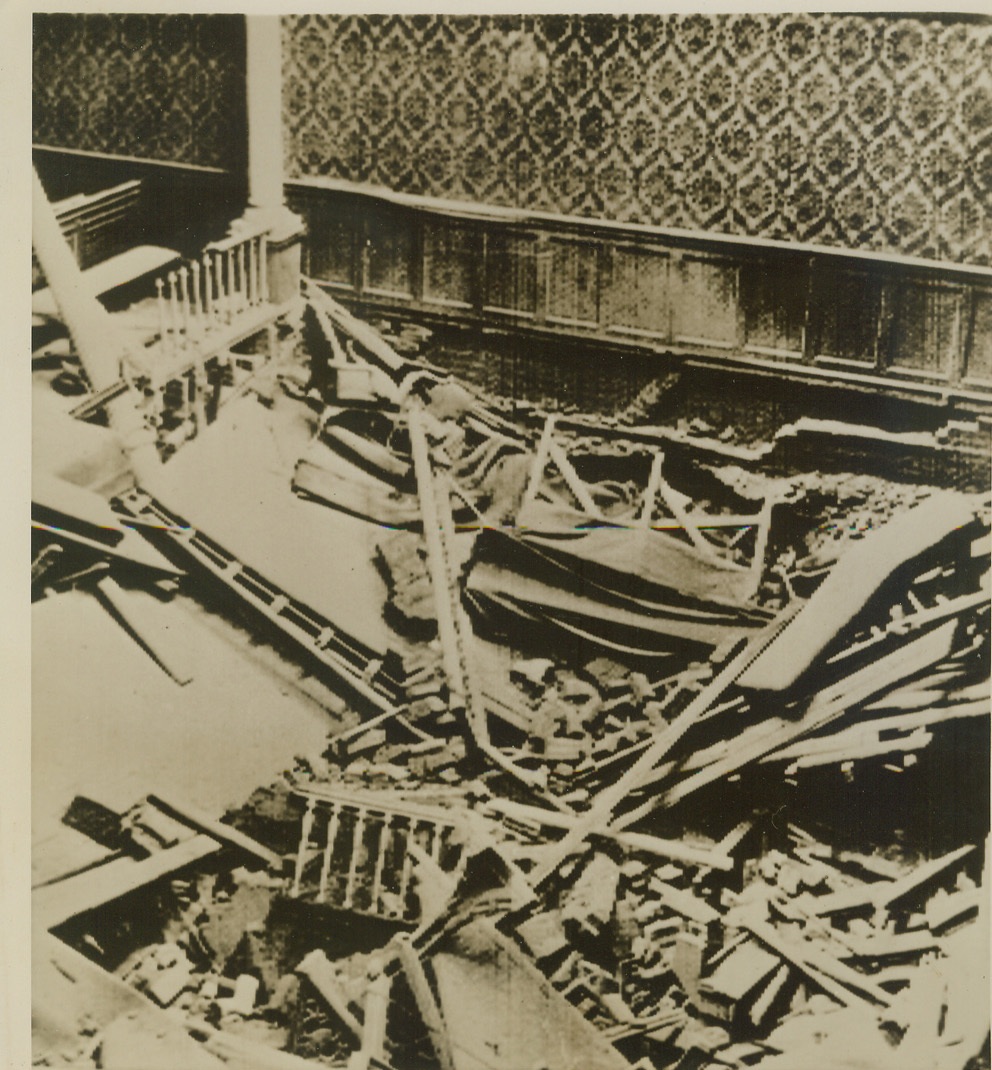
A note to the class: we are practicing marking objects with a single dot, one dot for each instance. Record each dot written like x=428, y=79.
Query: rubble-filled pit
x=727, y=815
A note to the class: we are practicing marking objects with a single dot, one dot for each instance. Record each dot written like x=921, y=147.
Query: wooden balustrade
x=354, y=851
x=807, y=312
x=201, y=302
x=203, y=307
x=96, y=225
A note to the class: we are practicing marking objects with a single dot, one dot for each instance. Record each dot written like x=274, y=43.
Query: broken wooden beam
x=675, y=850
x=54, y=904
x=226, y=834
x=671, y=499
x=373, y=1045
x=884, y=893
x=318, y=969
x=572, y=478
x=826, y=706
x=427, y=1004
x=101, y=345
x=538, y=464
x=143, y=620
x=850, y=991
x=859, y=573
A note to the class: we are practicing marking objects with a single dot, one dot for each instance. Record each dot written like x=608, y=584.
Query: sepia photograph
x=511, y=528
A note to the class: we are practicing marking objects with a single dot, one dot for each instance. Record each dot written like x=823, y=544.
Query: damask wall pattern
x=158, y=87
x=859, y=131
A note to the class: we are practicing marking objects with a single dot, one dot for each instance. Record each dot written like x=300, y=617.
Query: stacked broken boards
x=724, y=933
x=79, y=542
x=613, y=924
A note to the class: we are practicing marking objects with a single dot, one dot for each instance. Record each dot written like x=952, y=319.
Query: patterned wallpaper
x=161, y=87
x=867, y=131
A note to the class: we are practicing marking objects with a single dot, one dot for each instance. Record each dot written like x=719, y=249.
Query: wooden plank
x=854, y=735
x=884, y=893
x=538, y=464
x=373, y=1023
x=110, y=274
x=53, y=498
x=800, y=958
x=575, y=484
x=677, y=510
x=676, y=850
x=190, y=815
x=359, y=330
x=451, y=619
x=854, y=579
x=859, y=752
x=135, y=549
x=502, y=1013
x=685, y=903
x=885, y=944
x=321, y=973
x=436, y=560
x=149, y=629
x=428, y=1006
x=100, y=343
x=941, y=911
x=601, y=813
x=54, y=904
x=828, y=705
x=741, y=971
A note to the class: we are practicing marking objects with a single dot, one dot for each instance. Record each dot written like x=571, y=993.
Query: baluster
x=155, y=386
x=208, y=290
x=197, y=306
x=174, y=308
x=407, y=865
x=380, y=861
x=356, y=849
x=263, y=267
x=217, y=260
x=436, y=844
x=160, y=299
x=305, y=831
x=242, y=282
x=250, y=277
x=199, y=390
x=325, y=869
x=184, y=302
x=230, y=285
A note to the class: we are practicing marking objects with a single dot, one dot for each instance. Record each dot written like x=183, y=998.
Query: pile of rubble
x=500, y=868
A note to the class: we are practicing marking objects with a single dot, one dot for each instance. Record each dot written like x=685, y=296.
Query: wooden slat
x=54, y=904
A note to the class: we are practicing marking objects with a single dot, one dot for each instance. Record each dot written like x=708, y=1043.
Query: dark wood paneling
x=333, y=235
x=926, y=329
x=705, y=307
x=389, y=251
x=510, y=272
x=573, y=286
x=453, y=254
x=844, y=310
x=979, y=364
x=773, y=301
x=640, y=299
x=830, y=314
x=180, y=207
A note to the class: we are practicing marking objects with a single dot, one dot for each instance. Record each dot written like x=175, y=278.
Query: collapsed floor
x=661, y=752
